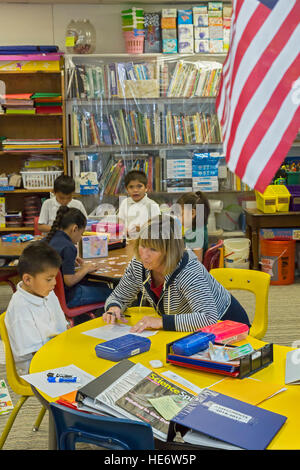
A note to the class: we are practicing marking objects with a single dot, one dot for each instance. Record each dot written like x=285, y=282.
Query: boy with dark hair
x=34, y=314
x=136, y=209
x=63, y=189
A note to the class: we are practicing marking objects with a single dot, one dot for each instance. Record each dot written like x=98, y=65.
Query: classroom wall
x=46, y=23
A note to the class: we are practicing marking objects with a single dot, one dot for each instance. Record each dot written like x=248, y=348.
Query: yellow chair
x=256, y=282
x=17, y=384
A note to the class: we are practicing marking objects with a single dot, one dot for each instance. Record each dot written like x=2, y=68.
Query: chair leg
x=39, y=419
x=11, y=420
x=12, y=285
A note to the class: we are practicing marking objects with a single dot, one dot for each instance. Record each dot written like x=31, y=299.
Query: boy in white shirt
x=34, y=314
x=63, y=189
x=137, y=209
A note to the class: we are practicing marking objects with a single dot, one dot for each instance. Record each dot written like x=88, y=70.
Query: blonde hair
x=164, y=234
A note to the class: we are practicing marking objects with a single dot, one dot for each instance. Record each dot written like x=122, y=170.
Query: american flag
x=259, y=97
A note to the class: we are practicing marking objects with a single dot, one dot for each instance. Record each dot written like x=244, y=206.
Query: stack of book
x=31, y=145
x=18, y=103
x=47, y=103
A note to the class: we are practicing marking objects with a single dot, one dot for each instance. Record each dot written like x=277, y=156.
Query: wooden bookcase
x=27, y=126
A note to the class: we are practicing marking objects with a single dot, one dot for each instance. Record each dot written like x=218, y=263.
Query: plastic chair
x=70, y=313
x=36, y=226
x=213, y=256
x=5, y=277
x=111, y=433
x=256, y=282
x=17, y=384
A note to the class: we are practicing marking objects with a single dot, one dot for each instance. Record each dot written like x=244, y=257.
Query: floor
x=283, y=328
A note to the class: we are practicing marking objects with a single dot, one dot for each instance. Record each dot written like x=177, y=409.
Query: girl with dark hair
x=65, y=233
x=194, y=216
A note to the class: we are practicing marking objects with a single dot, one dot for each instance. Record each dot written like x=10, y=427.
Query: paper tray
x=249, y=364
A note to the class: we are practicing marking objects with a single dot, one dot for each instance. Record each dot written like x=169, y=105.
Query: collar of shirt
x=142, y=201
x=34, y=299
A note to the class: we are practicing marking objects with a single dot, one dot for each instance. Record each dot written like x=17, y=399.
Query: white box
x=169, y=13
x=185, y=31
x=200, y=19
x=201, y=45
x=215, y=46
x=201, y=32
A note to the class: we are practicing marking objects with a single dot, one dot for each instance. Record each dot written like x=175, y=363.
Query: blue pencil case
x=123, y=347
x=193, y=343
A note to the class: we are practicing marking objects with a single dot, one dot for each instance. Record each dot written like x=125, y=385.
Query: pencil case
x=227, y=331
x=121, y=348
x=193, y=343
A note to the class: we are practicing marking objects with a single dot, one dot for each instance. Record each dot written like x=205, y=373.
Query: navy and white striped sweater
x=191, y=298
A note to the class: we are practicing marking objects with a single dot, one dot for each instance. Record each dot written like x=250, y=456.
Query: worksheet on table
x=108, y=332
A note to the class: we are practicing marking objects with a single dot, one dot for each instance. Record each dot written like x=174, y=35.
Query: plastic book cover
x=5, y=401
x=155, y=400
x=229, y=420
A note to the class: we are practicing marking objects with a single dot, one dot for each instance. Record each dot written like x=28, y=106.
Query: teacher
x=174, y=282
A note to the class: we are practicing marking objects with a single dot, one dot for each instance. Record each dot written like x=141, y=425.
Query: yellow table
x=72, y=347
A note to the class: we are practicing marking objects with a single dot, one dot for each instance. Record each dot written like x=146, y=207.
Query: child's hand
x=79, y=261
x=91, y=266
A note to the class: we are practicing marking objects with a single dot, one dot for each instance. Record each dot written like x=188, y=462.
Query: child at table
x=65, y=233
x=137, y=209
x=194, y=217
x=63, y=189
x=34, y=314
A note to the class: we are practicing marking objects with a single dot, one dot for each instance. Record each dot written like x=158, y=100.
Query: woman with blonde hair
x=173, y=281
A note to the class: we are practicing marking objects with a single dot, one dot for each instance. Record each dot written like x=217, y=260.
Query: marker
x=66, y=378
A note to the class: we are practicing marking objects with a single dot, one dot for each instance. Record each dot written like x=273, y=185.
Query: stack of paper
x=31, y=145
x=48, y=103
x=19, y=103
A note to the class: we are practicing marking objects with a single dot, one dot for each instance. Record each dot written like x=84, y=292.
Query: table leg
x=255, y=242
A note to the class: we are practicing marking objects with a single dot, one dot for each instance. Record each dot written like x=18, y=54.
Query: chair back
x=212, y=256
x=36, y=228
x=17, y=384
x=111, y=433
x=59, y=290
x=256, y=282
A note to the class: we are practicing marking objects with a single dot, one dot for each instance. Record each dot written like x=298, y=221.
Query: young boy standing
x=34, y=314
x=64, y=187
x=137, y=209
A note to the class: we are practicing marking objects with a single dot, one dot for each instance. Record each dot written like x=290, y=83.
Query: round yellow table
x=73, y=347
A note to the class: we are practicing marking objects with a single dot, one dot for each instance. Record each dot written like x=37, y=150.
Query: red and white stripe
x=259, y=116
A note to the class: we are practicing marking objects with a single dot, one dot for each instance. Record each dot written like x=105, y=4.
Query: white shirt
x=137, y=213
x=31, y=321
x=51, y=206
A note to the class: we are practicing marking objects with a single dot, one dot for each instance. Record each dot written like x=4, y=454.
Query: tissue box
x=202, y=9
x=216, y=6
x=201, y=32
x=94, y=246
x=185, y=16
x=215, y=46
x=201, y=45
x=169, y=13
x=185, y=31
x=200, y=19
x=169, y=46
x=169, y=33
x=186, y=46
x=168, y=23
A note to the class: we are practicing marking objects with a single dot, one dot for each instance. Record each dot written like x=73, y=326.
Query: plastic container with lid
x=227, y=331
x=80, y=37
x=122, y=347
x=193, y=343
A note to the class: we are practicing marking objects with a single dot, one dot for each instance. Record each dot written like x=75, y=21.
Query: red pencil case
x=227, y=331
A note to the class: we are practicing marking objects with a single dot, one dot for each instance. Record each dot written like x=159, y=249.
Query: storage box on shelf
x=37, y=137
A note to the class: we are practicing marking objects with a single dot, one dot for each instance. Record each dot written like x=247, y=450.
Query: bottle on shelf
x=71, y=37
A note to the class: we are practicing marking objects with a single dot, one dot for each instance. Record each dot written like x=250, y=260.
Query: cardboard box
x=169, y=46
x=201, y=45
x=168, y=23
x=201, y=32
x=288, y=233
x=186, y=46
x=185, y=17
x=94, y=246
x=185, y=31
x=169, y=33
x=169, y=13
x=200, y=19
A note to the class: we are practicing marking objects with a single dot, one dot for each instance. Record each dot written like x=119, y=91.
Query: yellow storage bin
x=266, y=202
x=282, y=197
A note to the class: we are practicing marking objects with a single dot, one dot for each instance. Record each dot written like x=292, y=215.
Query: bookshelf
x=30, y=75
x=147, y=111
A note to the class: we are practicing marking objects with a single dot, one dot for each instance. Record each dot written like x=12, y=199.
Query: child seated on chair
x=136, y=209
x=34, y=314
x=63, y=189
x=65, y=233
x=194, y=217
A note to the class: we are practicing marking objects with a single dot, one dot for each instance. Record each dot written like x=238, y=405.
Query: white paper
x=186, y=383
x=108, y=332
x=39, y=380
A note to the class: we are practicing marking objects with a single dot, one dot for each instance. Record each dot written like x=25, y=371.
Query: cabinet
x=30, y=75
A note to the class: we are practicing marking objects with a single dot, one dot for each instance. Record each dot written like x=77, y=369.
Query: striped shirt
x=191, y=298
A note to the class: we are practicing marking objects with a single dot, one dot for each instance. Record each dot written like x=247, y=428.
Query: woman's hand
x=112, y=315
x=147, y=323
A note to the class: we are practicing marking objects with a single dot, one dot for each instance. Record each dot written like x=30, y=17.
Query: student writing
x=135, y=210
x=65, y=233
x=173, y=281
x=34, y=314
x=63, y=189
x=194, y=217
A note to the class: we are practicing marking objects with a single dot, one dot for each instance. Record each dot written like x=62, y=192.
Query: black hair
x=194, y=199
x=37, y=257
x=135, y=175
x=64, y=184
x=65, y=217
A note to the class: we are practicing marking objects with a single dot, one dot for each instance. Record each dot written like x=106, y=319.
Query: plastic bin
x=39, y=179
x=134, y=41
x=277, y=258
x=293, y=177
x=237, y=253
x=295, y=197
x=266, y=202
x=282, y=197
